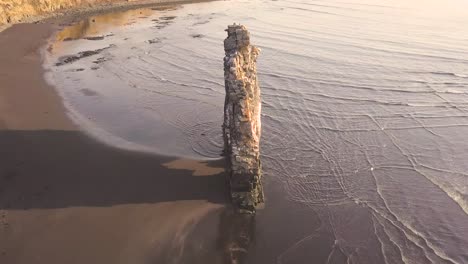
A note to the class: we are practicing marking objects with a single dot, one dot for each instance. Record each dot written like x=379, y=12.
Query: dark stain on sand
x=88, y=92
x=83, y=54
x=197, y=35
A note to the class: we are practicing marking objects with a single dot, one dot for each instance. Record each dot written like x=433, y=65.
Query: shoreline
x=83, y=10
x=72, y=16
x=66, y=197
x=58, y=183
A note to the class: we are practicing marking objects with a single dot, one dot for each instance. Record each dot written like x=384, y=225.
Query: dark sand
x=66, y=198
x=337, y=192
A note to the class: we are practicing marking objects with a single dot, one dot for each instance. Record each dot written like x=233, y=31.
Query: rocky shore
x=30, y=11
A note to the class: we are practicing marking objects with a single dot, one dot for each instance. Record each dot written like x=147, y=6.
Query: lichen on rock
x=242, y=123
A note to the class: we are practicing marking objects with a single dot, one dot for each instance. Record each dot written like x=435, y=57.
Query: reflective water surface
x=365, y=115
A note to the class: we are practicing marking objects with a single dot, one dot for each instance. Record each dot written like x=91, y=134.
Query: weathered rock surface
x=13, y=11
x=242, y=124
x=16, y=10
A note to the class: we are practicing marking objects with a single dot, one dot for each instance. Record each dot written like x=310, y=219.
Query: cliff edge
x=15, y=11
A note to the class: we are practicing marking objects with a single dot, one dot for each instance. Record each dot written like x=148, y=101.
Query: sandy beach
x=66, y=198
x=111, y=134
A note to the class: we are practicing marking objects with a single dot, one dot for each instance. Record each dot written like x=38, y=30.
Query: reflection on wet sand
x=222, y=237
x=236, y=232
x=95, y=25
x=98, y=27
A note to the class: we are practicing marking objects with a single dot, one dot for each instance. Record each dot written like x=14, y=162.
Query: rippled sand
x=365, y=115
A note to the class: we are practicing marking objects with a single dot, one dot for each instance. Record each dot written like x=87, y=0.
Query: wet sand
x=363, y=158
x=66, y=198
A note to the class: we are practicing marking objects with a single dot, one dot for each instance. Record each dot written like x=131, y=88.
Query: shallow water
x=365, y=114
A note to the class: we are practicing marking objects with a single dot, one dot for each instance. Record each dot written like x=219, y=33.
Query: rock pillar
x=242, y=124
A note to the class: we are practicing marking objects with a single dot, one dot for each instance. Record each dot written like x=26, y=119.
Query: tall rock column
x=242, y=124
